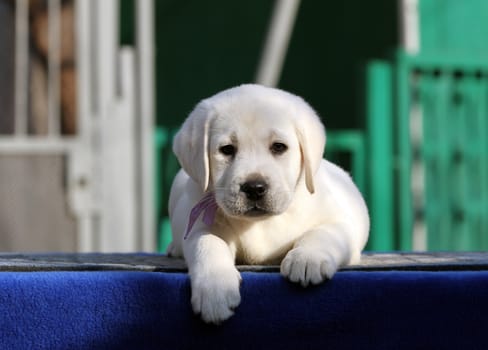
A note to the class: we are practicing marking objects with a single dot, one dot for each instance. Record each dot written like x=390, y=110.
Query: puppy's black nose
x=255, y=189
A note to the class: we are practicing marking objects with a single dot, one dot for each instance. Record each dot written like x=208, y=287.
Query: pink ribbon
x=208, y=206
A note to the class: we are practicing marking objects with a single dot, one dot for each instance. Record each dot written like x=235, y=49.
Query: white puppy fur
x=259, y=150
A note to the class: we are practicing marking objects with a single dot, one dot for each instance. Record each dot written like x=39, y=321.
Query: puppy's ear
x=311, y=136
x=191, y=145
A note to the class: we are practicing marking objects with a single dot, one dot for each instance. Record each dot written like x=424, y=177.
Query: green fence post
x=404, y=152
x=164, y=234
x=380, y=149
x=160, y=140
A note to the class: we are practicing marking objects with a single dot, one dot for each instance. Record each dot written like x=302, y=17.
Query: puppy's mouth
x=256, y=211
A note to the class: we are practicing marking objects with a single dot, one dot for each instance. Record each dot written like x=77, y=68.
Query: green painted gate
x=433, y=105
x=437, y=175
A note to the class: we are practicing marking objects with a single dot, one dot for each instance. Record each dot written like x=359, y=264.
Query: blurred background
x=92, y=92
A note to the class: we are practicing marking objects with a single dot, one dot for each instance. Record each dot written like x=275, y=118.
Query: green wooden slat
x=475, y=141
x=404, y=156
x=459, y=159
x=352, y=142
x=453, y=26
x=379, y=129
x=483, y=122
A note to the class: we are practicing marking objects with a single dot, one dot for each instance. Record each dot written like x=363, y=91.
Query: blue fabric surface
x=148, y=310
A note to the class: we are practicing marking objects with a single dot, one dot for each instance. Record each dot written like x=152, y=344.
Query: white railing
x=277, y=41
x=21, y=64
x=109, y=160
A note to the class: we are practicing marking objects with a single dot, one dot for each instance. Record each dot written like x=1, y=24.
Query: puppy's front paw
x=308, y=266
x=215, y=294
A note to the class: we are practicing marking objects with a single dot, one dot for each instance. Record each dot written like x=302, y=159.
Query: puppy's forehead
x=255, y=124
x=242, y=112
x=254, y=111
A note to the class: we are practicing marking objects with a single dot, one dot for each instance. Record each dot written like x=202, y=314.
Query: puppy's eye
x=228, y=150
x=278, y=148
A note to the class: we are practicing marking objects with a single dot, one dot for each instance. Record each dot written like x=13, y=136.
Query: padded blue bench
x=139, y=301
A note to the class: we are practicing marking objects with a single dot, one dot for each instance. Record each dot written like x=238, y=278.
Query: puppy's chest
x=263, y=244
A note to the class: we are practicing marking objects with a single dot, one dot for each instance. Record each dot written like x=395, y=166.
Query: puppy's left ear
x=311, y=136
x=190, y=145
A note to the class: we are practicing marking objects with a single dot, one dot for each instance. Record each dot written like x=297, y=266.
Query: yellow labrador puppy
x=254, y=189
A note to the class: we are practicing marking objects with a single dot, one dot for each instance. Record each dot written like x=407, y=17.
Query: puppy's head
x=253, y=146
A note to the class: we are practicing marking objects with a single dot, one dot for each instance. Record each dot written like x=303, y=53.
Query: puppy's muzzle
x=254, y=190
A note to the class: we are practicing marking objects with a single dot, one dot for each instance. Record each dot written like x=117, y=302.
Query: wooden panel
x=33, y=210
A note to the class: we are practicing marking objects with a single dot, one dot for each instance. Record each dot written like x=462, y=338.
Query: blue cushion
x=151, y=310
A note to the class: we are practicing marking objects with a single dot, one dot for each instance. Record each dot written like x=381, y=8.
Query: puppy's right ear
x=191, y=145
x=311, y=137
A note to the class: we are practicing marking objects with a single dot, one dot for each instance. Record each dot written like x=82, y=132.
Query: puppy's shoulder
x=335, y=185
x=331, y=174
x=183, y=188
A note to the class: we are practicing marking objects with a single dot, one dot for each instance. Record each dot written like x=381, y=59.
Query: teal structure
x=411, y=128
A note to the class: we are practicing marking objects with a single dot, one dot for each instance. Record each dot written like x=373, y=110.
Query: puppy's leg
x=317, y=255
x=214, y=278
